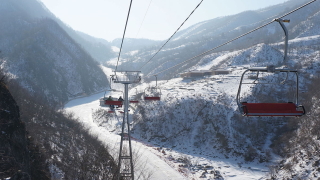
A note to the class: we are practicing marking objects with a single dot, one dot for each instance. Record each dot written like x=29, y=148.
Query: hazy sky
x=106, y=18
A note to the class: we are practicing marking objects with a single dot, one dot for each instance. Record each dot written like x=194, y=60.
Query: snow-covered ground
x=167, y=162
x=84, y=107
x=164, y=162
x=170, y=162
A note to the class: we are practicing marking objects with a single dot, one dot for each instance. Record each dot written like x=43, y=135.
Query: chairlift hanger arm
x=239, y=89
x=257, y=76
x=281, y=21
x=156, y=80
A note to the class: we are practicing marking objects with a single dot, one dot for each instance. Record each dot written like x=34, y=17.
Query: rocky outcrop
x=19, y=158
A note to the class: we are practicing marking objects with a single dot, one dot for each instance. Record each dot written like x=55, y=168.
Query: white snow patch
x=115, y=49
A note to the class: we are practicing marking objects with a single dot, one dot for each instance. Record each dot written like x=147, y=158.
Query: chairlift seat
x=152, y=98
x=134, y=101
x=118, y=103
x=110, y=111
x=271, y=109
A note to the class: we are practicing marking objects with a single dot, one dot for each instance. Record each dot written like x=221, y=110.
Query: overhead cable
x=206, y=52
x=143, y=18
x=297, y=9
x=171, y=36
x=124, y=32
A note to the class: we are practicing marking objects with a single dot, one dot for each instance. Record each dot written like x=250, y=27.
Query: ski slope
x=83, y=108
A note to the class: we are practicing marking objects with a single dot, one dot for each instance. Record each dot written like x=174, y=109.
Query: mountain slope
x=199, y=117
x=208, y=34
x=43, y=57
x=19, y=156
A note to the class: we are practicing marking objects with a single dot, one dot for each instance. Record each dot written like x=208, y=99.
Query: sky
x=150, y=19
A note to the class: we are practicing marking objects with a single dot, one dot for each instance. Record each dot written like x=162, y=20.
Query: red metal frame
x=271, y=109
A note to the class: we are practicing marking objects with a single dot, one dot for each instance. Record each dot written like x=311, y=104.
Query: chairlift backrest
x=134, y=101
x=118, y=103
x=152, y=98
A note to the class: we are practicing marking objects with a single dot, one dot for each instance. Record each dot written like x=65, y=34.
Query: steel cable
x=124, y=32
x=171, y=36
x=206, y=52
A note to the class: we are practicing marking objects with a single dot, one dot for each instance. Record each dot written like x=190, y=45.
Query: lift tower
x=125, y=164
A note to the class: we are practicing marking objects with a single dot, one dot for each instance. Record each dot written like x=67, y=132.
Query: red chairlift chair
x=105, y=100
x=270, y=109
x=152, y=93
x=134, y=101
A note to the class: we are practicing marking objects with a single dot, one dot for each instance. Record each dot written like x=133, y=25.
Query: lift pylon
x=125, y=171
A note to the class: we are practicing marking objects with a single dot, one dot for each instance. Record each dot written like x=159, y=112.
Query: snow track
x=153, y=164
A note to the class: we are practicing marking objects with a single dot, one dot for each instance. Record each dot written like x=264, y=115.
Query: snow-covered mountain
x=196, y=125
x=45, y=55
x=208, y=34
x=200, y=117
x=198, y=130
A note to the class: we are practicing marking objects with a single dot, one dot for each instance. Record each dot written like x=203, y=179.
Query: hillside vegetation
x=42, y=56
x=40, y=143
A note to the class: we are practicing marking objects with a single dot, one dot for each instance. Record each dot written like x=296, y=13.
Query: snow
x=83, y=109
x=166, y=162
x=192, y=28
x=113, y=62
x=133, y=52
x=115, y=49
x=166, y=165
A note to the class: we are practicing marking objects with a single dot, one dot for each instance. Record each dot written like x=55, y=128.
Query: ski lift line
x=206, y=52
x=124, y=32
x=297, y=9
x=171, y=36
x=143, y=18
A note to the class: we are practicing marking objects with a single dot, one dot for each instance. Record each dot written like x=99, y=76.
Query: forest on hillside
x=59, y=146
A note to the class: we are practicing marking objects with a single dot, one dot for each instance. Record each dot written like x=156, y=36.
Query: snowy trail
x=83, y=109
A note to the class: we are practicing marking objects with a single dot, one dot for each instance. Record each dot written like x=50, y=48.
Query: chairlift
x=106, y=100
x=152, y=93
x=288, y=109
x=270, y=109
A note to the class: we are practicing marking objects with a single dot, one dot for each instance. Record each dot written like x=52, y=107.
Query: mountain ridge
x=44, y=58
